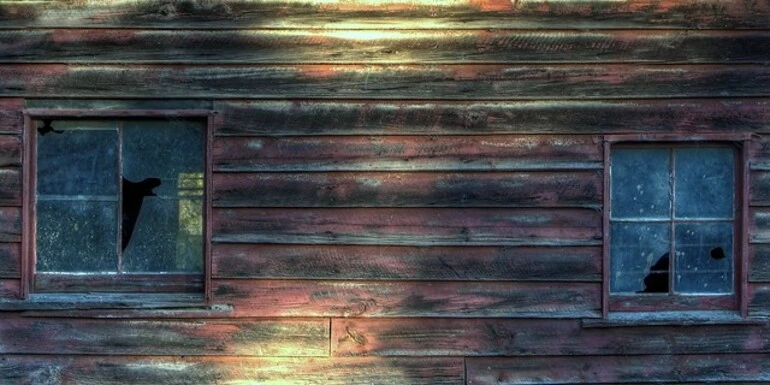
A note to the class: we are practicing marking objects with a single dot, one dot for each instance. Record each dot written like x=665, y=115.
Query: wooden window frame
x=197, y=289
x=655, y=303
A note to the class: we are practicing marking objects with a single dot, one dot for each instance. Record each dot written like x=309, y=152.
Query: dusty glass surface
x=704, y=257
x=76, y=236
x=705, y=183
x=77, y=158
x=635, y=248
x=640, y=183
x=164, y=161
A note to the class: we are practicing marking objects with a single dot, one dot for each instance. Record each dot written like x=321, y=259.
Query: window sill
x=105, y=301
x=672, y=318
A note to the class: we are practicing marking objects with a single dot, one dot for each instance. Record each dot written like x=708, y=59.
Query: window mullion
x=672, y=223
x=119, y=216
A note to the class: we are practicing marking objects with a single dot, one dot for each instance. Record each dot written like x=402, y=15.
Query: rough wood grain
x=759, y=223
x=759, y=189
x=499, y=14
x=453, y=118
x=9, y=291
x=10, y=224
x=615, y=369
x=522, y=337
x=409, y=227
x=407, y=263
x=759, y=266
x=11, y=121
x=407, y=153
x=10, y=151
x=10, y=186
x=10, y=260
x=99, y=46
x=189, y=338
x=409, y=189
x=434, y=82
x=183, y=370
x=759, y=300
x=290, y=298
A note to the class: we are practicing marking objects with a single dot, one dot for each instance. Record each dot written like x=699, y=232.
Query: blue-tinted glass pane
x=163, y=163
x=77, y=158
x=640, y=183
x=76, y=236
x=705, y=183
x=635, y=248
x=704, y=258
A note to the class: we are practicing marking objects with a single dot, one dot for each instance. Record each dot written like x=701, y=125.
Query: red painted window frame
x=28, y=200
x=665, y=302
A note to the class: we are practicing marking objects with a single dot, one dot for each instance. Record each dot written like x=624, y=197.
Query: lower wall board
x=528, y=337
x=301, y=298
x=105, y=370
x=618, y=369
x=277, y=338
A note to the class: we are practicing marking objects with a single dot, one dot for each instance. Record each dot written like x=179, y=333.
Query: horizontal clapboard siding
x=375, y=46
x=320, y=298
x=497, y=14
x=260, y=118
x=522, y=337
x=180, y=370
x=444, y=82
x=349, y=262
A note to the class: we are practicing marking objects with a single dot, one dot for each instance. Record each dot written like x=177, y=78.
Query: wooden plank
x=9, y=290
x=759, y=224
x=303, y=298
x=190, y=338
x=759, y=300
x=759, y=270
x=524, y=337
x=391, y=14
x=409, y=227
x=133, y=283
x=10, y=260
x=100, y=46
x=409, y=189
x=10, y=186
x=11, y=120
x=10, y=224
x=434, y=82
x=456, y=118
x=581, y=264
x=407, y=153
x=121, y=370
x=619, y=369
x=10, y=151
x=759, y=188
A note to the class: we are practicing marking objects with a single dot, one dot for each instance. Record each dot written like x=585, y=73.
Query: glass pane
x=640, y=183
x=705, y=183
x=77, y=158
x=76, y=236
x=163, y=196
x=639, y=251
x=704, y=258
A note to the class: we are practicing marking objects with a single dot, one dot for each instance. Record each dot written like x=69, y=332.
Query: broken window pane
x=705, y=183
x=640, y=183
x=165, y=217
x=76, y=236
x=635, y=248
x=704, y=257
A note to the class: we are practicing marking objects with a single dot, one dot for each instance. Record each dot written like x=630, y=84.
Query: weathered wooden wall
x=404, y=192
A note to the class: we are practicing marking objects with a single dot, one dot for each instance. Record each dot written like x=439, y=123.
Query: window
x=116, y=204
x=675, y=229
